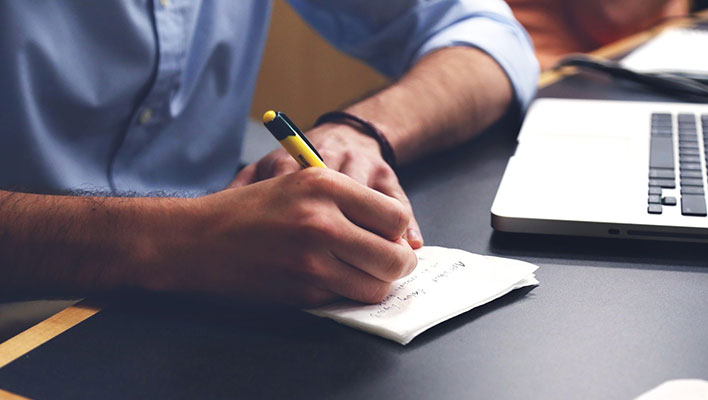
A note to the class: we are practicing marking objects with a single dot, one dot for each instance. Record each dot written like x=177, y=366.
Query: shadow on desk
x=223, y=350
x=625, y=253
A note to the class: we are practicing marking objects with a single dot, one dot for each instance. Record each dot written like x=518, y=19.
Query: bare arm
x=327, y=237
x=75, y=245
x=449, y=96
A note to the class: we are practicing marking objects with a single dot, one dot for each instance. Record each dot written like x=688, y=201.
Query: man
x=136, y=98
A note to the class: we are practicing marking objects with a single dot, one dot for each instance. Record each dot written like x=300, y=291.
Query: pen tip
x=268, y=116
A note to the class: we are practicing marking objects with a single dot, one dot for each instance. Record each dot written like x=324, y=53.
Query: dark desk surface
x=610, y=320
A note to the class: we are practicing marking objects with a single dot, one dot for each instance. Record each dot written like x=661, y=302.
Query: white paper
x=683, y=389
x=673, y=50
x=446, y=283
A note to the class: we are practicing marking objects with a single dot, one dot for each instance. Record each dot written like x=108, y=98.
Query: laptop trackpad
x=557, y=174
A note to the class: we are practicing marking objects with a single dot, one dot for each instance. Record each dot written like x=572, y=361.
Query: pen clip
x=297, y=130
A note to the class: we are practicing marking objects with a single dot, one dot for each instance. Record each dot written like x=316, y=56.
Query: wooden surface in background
x=303, y=75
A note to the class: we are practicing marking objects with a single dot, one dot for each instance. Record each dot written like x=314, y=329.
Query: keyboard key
x=683, y=141
x=662, y=132
x=686, y=166
x=691, y=190
x=694, y=205
x=662, y=128
x=685, y=117
x=654, y=191
x=654, y=199
x=664, y=183
x=661, y=153
x=689, y=152
x=654, y=209
x=669, y=201
x=684, y=129
x=691, y=174
x=691, y=182
x=691, y=146
x=662, y=173
x=688, y=136
x=690, y=159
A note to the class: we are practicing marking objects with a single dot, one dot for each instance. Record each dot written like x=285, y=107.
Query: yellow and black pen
x=292, y=139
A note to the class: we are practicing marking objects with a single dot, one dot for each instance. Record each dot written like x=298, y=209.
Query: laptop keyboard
x=692, y=133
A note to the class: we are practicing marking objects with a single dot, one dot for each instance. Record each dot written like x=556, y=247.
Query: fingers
x=280, y=163
x=370, y=209
x=245, y=177
x=380, y=258
x=359, y=173
x=350, y=282
x=276, y=163
x=386, y=182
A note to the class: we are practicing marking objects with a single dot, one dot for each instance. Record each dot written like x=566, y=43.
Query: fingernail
x=413, y=236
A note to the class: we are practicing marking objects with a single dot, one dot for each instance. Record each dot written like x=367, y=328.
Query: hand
x=346, y=150
x=304, y=239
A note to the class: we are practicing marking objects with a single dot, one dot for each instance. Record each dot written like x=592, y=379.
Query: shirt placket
x=154, y=110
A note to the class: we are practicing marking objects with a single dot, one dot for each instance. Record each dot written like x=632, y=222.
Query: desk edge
x=30, y=339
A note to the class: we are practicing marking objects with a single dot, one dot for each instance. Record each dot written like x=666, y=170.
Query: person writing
x=121, y=128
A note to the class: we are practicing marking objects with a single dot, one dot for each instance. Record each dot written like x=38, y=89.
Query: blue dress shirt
x=153, y=95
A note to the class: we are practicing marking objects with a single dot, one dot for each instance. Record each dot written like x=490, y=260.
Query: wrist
x=364, y=127
x=162, y=230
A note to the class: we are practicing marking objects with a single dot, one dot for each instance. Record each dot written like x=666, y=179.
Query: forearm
x=446, y=98
x=78, y=245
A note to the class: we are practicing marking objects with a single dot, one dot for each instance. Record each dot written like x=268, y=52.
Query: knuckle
x=401, y=216
x=309, y=267
x=412, y=262
x=385, y=172
x=283, y=165
x=375, y=293
x=319, y=180
x=328, y=155
x=394, y=268
x=316, y=227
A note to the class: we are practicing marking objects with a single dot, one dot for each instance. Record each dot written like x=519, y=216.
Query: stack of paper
x=446, y=283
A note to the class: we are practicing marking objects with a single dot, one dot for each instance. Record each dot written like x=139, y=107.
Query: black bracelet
x=364, y=127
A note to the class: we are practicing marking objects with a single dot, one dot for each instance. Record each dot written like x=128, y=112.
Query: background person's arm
x=605, y=21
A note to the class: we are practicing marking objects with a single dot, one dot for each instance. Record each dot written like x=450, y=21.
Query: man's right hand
x=304, y=239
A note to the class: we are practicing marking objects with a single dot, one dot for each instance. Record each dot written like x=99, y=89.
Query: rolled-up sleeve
x=392, y=35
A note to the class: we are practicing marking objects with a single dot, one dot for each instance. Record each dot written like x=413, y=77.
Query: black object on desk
x=611, y=319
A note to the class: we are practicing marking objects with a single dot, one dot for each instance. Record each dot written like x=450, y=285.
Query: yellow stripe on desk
x=4, y=395
x=30, y=339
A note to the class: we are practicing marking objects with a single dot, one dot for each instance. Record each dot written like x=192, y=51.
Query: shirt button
x=165, y=3
x=145, y=116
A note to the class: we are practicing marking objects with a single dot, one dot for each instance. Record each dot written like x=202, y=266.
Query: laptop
x=621, y=169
